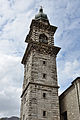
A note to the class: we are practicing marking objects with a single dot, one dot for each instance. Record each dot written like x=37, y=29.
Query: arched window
x=43, y=38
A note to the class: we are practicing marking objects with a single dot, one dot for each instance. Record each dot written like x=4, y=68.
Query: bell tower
x=39, y=99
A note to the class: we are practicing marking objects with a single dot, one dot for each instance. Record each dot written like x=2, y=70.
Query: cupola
x=41, y=15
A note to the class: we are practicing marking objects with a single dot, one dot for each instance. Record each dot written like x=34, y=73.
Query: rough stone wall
x=69, y=103
x=33, y=104
x=49, y=104
x=27, y=71
x=25, y=105
x=49, y=68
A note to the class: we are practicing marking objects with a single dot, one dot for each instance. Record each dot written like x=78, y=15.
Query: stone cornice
x=41, y=48
x=76, y=80
x=43, y=26
x=51, y=86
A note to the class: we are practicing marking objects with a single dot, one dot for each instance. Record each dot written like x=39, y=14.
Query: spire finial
x=41, y=15
x=41, y=9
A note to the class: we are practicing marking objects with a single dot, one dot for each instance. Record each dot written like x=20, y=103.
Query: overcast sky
x=15, y=19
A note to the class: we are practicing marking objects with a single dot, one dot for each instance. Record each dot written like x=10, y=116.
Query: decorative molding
x=39, y=85
x=41, y=48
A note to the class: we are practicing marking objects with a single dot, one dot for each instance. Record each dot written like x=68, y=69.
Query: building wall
x=69, y=103
x=27, y=70
x=33, y=103
x=49, y=68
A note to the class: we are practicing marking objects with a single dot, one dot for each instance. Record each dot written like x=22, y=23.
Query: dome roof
x=41, y=14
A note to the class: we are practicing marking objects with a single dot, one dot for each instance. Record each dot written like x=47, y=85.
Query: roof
x=69, y=88
x=41, y=15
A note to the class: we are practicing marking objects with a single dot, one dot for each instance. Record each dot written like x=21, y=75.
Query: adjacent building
x=70, y=102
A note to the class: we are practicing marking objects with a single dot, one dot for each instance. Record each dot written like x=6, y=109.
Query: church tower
x=39, y=99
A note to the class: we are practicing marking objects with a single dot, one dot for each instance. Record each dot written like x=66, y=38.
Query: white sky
x=15, y=19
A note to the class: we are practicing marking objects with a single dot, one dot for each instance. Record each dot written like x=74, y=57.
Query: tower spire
x=41, y=15
x=41, y=9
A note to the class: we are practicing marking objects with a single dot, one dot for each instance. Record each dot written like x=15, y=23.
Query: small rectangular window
x=23, y=117
x=44, y=95
x=64, y=115
x=44, y=62
x=44, y=113
x=44, y=75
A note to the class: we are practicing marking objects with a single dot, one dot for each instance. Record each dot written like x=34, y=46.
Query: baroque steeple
x=40, y=87
x=41, y=33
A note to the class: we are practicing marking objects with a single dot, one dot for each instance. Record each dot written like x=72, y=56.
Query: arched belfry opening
x=43, y=38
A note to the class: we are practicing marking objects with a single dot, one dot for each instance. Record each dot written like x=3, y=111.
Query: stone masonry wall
x=39, y=68
x=33, y=103
x=36, y=32
x=69, y=103
x=27, y=71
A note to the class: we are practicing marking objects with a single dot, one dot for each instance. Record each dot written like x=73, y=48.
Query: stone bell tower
x=39, y=99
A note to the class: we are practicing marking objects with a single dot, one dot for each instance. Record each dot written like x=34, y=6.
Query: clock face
x=43, y=38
